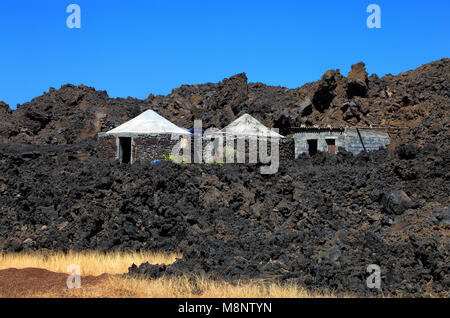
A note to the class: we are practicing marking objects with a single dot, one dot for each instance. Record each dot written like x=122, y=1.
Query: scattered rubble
x=319, y=221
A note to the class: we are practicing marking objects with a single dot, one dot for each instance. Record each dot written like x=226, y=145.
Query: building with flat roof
x=310, y=140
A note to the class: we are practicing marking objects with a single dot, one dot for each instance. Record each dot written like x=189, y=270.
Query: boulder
x=443, y=216
x=323, y=93
x=306, y=107
x=4, y=108
x=396, y=202
x=357, y=81
x=224, y=105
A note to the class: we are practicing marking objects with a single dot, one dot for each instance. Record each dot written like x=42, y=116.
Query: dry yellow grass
x=91, y=262
x=183, y=287
x=117, y=286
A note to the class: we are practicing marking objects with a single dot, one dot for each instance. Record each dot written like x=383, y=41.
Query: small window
x=331, y=143
x=312, y=146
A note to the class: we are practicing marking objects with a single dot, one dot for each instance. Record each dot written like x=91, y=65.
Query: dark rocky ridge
x=417, y=99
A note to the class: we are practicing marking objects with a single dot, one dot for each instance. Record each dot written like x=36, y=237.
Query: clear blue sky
x=137, y=47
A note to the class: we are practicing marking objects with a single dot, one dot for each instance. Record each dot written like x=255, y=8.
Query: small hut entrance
x=331, y=146
x=312, y=146
x=125, y=149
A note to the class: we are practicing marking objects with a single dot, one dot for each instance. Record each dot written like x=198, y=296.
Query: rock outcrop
x=416, y=101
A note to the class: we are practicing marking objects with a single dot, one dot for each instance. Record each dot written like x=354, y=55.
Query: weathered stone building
x=309, y=140
x=146, y=137
x=149, y=137
x=250, y=140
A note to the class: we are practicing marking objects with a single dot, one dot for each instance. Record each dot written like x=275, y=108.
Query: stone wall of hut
x=240, y=149
x=153, y=147
x=107, y=147
x=351, y=139
x=156, y=147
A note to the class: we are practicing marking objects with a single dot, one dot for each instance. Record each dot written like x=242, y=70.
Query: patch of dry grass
x=95, y=263
x=91, y=262
x=183, y=287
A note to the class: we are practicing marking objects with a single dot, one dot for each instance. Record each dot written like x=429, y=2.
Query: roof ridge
x=148, y=122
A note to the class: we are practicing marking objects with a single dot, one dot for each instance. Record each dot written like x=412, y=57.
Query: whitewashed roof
x=148, y=122
x=247, y=125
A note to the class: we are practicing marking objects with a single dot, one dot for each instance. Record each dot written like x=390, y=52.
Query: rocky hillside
x=417, y=101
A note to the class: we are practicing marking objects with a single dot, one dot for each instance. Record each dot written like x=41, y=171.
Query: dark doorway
x=331, y=143
x=312, y=147
x=125, y=149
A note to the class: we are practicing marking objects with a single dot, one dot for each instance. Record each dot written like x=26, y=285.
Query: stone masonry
x=351, y=139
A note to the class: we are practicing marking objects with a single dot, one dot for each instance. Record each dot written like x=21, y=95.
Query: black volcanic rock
x=396, y=202
x=316, y=222
x=8, y=127
x=70, y=115
x=4, y=108
x=417, y=99
x=357, y=81
x=223, y=106
x=324, y=92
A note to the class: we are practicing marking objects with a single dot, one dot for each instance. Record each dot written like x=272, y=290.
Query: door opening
x=125, y=149
x=312, y=146
x=331, y=143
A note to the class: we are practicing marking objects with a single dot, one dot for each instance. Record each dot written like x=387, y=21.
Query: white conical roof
x=148, y=122
x=247, y=125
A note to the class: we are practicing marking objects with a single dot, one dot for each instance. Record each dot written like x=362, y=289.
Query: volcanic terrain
x=318, y=222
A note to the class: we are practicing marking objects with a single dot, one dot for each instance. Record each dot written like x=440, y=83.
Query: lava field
x=318, y=222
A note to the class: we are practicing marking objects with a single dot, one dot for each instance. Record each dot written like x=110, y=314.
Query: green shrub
x=174, y=159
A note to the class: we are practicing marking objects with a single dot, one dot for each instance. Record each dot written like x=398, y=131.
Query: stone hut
x=248, y=132
x=146, y=137
x=310, y=140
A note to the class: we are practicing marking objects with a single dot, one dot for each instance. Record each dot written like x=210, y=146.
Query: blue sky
x=134, y=48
